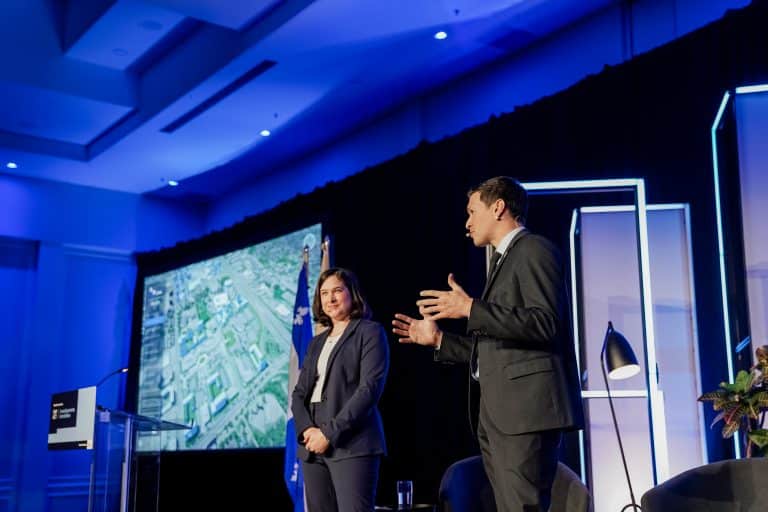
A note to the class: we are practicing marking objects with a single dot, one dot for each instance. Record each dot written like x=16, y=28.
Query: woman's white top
x=322, y=365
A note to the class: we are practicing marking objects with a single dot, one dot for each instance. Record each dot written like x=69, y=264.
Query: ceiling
x=126, y=95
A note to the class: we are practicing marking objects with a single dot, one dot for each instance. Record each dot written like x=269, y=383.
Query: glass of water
x=404, y=494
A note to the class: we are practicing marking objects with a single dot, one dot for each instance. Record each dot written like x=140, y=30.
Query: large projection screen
x=215, y=345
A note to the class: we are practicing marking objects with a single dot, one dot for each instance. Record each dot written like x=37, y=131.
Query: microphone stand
x=107, y=376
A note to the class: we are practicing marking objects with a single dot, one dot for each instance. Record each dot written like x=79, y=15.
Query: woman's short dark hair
x=360, y=308
x=509, y=190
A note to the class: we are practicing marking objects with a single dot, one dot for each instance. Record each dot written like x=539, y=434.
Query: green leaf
x=742, y=403
x=734, y=413
x=718, y=394
x=729, y=429
x=743, y=380
x=759, y=437
x=753, y=411
x=761, y=399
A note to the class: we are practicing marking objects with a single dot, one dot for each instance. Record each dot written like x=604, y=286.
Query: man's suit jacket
x=528, y=377
x=354, y=380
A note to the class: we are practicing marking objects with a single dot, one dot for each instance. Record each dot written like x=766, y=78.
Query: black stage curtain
x=399, y=225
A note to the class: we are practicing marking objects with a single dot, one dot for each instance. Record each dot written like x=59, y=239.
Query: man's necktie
x=474, y=367
x=494, y=261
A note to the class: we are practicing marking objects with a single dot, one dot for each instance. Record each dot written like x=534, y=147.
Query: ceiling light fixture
x=265, y=133
x=441, y=35
x=11, y=165
x=173, y=183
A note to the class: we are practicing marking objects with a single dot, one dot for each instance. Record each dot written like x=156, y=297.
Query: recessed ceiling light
x=265, y=133
x=173, y=183
x=441, y=35
x=11, y=165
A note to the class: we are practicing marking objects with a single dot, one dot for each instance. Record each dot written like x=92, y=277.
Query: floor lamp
x=619, y=359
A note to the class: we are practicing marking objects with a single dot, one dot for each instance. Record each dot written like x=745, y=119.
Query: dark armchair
x=725, y=486
x=465, y=488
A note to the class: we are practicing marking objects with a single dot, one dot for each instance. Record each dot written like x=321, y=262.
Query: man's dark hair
x=509, y=190
x=360, y=308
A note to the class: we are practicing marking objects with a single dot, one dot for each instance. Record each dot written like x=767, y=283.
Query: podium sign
x=72, y=419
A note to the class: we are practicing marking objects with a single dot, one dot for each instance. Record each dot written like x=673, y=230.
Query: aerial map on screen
x=216, y=338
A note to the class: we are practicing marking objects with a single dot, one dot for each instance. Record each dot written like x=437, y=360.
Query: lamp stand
x=633, y=504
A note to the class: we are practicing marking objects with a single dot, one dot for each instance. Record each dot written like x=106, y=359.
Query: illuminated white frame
x=658, y=431
x=694, y=317
x=576, y=338
x=619, y=393
x=720, y=240
x=747, y=89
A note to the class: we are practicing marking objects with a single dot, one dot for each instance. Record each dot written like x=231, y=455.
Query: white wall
x=70, y=214
x=67, y=276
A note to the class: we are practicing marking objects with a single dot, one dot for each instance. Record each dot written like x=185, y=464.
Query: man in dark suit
x=518, y=347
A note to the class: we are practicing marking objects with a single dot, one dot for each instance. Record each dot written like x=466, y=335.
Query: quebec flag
x=302, y=335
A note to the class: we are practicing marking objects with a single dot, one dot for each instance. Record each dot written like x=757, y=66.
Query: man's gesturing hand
x=412, y=330
x=454, y=303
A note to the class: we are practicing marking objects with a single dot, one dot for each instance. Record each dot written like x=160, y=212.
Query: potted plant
x=742, y=404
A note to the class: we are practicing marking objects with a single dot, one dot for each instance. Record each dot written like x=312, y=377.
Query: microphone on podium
x=110, y=374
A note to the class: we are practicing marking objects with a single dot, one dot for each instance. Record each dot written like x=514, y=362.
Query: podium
x=119, y=437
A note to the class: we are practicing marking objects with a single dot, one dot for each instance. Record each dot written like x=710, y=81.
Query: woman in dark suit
x=340, y=434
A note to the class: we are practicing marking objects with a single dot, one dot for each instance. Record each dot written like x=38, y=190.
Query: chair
x=726, y=486
x=569, y=494
x=465, y=488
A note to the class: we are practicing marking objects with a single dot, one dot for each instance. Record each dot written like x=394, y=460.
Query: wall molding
x=68, y=485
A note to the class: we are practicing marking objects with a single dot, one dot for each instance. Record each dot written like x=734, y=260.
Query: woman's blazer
x=354, y=381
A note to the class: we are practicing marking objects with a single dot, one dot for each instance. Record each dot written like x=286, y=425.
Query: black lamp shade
x=620, y=360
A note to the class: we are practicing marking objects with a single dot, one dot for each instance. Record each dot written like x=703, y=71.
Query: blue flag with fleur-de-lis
x=302, y=335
